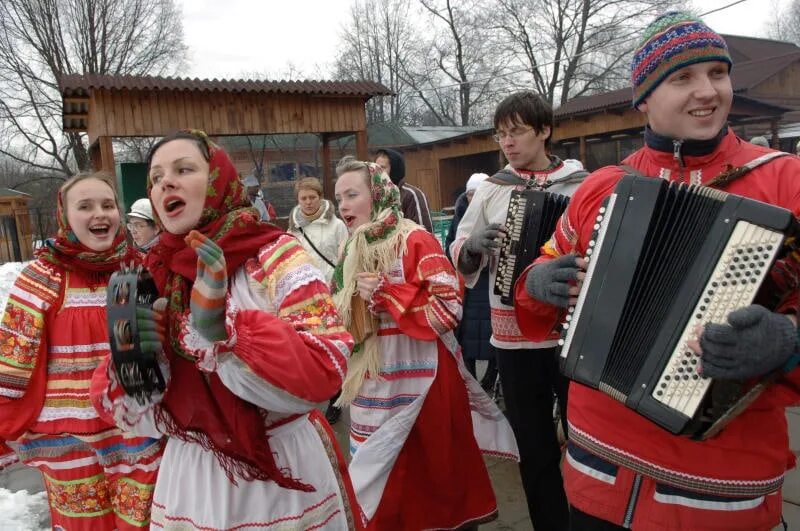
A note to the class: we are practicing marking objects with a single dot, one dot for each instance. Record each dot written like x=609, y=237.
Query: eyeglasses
x=136, y=226
x=514, y=133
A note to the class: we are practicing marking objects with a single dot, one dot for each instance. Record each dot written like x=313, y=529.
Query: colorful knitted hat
x=672, y=41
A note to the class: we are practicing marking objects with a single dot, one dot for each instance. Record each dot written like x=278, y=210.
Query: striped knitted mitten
x=207, y=304
x=152, y=329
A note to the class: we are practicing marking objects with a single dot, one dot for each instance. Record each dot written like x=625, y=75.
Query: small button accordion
x=532, y=216
x=665, y=258
x=138, y=372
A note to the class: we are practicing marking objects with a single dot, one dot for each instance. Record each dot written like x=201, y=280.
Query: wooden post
x=774, y=141
x=327, y=177
x=362, y=151
x=101, y=153
x=582, y=150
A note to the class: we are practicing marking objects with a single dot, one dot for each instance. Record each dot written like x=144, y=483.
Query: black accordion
x=665, y=258
x=532, y=216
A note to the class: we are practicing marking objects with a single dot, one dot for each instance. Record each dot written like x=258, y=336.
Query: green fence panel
x=441, y=225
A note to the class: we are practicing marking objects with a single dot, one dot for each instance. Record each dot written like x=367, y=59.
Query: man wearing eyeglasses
x=141, y=225
x=528, y=370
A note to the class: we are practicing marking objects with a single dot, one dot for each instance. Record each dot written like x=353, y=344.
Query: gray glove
x=755, y=342
x=479, y=243
x=550, y=281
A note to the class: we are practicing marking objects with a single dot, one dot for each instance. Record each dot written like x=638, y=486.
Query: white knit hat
x=141, y=208
x=475, y=179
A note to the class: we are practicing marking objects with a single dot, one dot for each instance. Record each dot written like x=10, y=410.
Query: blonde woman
x=313, y=221
x=419, y=421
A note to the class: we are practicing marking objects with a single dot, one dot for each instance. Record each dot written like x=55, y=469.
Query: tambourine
x=137, y=371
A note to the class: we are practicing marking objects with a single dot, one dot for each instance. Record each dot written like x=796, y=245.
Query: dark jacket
x=475, y=329
x=414, y=203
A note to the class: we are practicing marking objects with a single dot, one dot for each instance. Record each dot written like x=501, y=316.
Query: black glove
x=479, y=243
x=755, y=342
x=550, y=281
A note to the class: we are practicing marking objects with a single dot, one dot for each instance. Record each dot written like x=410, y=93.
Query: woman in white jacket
x=313, y=221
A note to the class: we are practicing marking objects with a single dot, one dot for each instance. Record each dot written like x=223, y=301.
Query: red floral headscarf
x=194, y=408
x=67, y=251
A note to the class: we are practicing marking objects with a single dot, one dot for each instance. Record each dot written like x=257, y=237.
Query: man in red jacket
x=621, y=470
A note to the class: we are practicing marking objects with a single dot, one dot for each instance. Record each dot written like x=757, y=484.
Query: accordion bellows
x=532, y=216
x=665, y=258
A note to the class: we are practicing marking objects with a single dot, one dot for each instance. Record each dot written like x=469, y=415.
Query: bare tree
x=378, y=43
x=133, y=148
x=574, y=47
x=785, y=23
x=41, y=40
x=464, y=56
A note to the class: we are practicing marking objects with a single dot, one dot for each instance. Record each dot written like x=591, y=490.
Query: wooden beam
x=582, y=150
x=362, y=151
x=79, y=100
x=102, y=155
x=774, y=141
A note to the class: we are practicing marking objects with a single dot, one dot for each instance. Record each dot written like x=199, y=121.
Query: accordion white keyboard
x=740, y=271
x=505, y=267
x=596, y=243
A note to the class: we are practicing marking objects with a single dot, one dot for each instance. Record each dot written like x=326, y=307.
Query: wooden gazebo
x=107, y=107
x=16, y=232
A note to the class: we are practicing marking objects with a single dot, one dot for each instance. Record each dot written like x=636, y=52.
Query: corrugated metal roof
x=10, y=192
x=428, y=134
x=587, y=104
x=78, y=85
x=378, y=135
x=388, y=134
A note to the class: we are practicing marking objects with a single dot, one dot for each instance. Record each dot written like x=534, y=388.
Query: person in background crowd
x=54, y=335
x=414, y=203
x=415, y=443
x=141, y=224
x=575, y=163
x=623, y=471
x=314, y=222
x=252, y=342
x=256, y=196
x=529, y=373
x=797, y=148
x=475, y=329
x=759, y=141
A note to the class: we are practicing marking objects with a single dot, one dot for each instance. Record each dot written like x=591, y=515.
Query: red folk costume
x=246, y=448
x=52, y=337
x=419, y=422
x=730, y=481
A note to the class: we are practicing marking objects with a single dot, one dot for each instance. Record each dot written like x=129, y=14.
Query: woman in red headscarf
x=52, y=337
x=418, y=421
x=253, y=342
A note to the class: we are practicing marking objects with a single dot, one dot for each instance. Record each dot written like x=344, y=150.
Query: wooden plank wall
x=598, y=124
x=422, y=164
x=122, y=113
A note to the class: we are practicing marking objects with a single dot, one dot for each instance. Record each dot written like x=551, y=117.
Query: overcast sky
x=235, y=37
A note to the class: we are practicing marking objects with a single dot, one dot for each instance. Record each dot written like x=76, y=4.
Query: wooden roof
x=120, y=106
x=743, y=48
x=78, y=85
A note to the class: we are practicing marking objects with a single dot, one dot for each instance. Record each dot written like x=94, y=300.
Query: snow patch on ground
x=20, y=511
